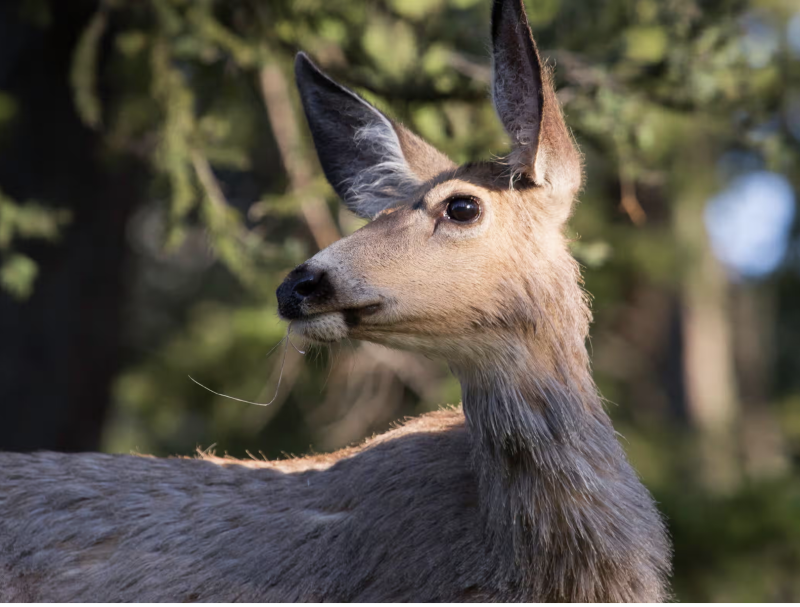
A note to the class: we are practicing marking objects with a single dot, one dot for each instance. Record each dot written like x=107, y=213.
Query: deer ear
x=527, y=105
x=371, y=162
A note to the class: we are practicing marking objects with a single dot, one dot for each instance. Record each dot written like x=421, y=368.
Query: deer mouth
x=353, y=316
x=334, y=325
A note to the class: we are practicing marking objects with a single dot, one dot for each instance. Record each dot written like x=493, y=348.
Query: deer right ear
x=528, y=108
x=371, y=162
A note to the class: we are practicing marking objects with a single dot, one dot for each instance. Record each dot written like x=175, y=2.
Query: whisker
x=295, y=347
x=280, y=376
x=331, y=362
x=352, y=357
x=285, y=337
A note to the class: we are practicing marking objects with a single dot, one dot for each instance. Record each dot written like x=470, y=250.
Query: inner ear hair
x=370, y=161
x=542, y=147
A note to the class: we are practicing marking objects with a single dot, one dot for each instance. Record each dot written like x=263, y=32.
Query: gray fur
x=410, y=517
x=125, y=528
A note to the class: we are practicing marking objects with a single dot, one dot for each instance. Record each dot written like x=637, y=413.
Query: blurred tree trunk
x=275, y=90
x=60, y=349
x=712, y=400
x=763, y=443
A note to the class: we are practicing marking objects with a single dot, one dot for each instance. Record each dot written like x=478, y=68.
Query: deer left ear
x=372, y=162
x=526, y=103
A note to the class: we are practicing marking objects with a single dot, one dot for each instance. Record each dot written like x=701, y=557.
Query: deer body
x=399, y=519
x=523, y=495
x=124, y=528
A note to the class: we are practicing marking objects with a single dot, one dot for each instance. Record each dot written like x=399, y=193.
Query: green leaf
x=131, y=43
x=415, y=9
x=17, y=275
x=645, y=44
x=8, y=107
x=83, y=75
x=392, y=46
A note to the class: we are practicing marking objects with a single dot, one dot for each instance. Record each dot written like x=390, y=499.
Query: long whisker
x=285, y=337
x=331, y=362
x=280, y=376
x=353, y=356
x=295, y=347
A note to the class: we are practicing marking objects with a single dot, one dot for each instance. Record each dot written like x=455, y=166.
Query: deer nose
x=305, y=284
x=302, y=284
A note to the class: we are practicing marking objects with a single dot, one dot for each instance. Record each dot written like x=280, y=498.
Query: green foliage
x=84, y=71
x=392, y=47
x=741, y=548
x=17, y=274
x=217, y=339
x=21, y=222
x=8, y=108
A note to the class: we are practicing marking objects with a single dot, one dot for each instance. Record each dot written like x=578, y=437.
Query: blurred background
x=157, y=182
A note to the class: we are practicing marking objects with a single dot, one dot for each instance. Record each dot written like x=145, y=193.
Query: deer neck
x=554, y=482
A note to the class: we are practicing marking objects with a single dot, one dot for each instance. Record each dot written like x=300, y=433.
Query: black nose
x=303, y=284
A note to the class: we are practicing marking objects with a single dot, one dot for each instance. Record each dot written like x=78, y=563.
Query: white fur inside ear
x=386, y=182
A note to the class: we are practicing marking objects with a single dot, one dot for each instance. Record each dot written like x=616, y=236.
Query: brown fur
x=525, y=495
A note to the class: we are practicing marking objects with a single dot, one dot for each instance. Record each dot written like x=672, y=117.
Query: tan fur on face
x=443, y=287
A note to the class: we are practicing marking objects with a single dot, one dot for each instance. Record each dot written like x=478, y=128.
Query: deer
x=522, y=493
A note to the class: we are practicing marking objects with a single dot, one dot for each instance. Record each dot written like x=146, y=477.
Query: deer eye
x=463, y=209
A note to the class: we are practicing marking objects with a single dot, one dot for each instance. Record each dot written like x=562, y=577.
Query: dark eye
x=463, y=210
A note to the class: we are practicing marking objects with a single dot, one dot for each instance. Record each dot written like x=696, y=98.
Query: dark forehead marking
x=481, y=165
x=491, y=174
x=482, y=168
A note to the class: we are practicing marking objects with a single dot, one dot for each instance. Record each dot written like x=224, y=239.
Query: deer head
x=457, y=261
